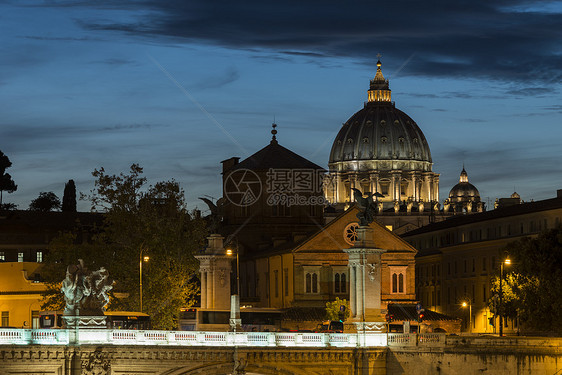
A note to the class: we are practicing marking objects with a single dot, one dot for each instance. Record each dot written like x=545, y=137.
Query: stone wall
x=479, y=355
x=451, y=356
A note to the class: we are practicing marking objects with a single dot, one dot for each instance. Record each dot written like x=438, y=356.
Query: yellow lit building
x=20, y=294
x=458, y=257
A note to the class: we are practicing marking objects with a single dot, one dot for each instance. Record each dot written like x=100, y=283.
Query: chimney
x=229, y=163
x=559, y=193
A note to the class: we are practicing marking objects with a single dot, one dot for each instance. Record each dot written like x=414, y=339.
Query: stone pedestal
x=235, y=320
x=215, y=267
x=365, y=282
x=84, y=322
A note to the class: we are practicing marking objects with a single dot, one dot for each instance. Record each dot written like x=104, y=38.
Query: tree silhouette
x=6, y=182
x=47, y=201
x=69, y=197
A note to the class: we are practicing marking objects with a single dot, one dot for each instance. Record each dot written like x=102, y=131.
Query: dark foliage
x=47, y=201
x=6, y=182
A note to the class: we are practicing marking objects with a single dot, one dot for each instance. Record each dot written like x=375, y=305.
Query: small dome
x=464, y=191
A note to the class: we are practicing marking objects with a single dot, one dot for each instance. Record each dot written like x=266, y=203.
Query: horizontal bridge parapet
x=13, y=336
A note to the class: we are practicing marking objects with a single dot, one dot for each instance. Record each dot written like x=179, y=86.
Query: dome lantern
x=379, y=90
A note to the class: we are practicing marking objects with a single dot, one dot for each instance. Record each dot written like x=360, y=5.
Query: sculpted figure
x=367, y=204
x=85, y=292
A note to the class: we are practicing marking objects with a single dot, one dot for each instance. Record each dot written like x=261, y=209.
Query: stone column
x=365, y=303
x=203, y=287
x=352, y=290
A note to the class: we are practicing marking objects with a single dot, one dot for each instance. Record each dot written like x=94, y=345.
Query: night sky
x=178, y=86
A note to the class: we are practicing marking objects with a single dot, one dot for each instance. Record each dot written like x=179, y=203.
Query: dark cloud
x=469, y=39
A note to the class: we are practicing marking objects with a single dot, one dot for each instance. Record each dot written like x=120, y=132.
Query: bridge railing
x=199, y=338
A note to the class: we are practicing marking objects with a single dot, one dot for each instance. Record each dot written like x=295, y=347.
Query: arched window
x=340, y=280
x=398, y=278
x=314, y=283
x=337, y=283
x=311, y=282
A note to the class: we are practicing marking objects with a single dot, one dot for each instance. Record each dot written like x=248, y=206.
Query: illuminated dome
x=379, y=132
x=381, y=149
x=464, y=191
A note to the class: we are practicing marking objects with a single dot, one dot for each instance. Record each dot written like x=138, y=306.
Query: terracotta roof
x=275, y=156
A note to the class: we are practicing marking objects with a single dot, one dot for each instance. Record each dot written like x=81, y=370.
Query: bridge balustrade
x=200, y=338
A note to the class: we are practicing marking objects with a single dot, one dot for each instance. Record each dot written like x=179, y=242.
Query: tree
x=334, y=309
x=140, y=222
x=6, y=182
x=69, y=197
x=534, y=282
x=47, y=201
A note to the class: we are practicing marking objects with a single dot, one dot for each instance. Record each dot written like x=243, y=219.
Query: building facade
x=458, y=258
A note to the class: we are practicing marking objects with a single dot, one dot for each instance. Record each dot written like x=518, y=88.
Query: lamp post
x=230, y=252
x=469, y=304
x=507, y=262
x=235, y=300
x=141, y=260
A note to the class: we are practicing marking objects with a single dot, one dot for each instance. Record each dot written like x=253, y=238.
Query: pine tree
x=69, y=197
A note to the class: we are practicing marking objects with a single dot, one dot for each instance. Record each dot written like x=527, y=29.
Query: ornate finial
x=273, y=131
x=379, y=56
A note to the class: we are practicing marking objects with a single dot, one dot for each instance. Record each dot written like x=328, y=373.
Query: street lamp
x=142, y=259
x=507, y=262
x=469, y=304
x=235, y=321
x=230, y=252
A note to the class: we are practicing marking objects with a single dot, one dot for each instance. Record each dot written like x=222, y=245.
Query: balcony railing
x=199, y=338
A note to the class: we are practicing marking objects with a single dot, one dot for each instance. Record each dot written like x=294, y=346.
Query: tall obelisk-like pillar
x=365, y=282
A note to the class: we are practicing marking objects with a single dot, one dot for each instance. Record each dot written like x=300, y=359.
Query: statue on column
x=216, y=216
x=368, y=206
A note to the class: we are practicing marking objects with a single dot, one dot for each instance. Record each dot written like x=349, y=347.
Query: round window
x=350, y=233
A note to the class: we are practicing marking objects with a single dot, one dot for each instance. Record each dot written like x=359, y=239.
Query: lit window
x=398, y=279
x=2, y=256
x=35, y=319
x=39, y=256
x=20, y=257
